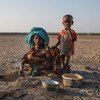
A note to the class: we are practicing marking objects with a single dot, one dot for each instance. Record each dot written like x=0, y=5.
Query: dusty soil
x=85, y=62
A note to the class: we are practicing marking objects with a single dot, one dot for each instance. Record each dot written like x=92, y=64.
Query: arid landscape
x=85, y=62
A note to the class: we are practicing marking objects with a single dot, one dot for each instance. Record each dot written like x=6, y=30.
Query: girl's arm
x=57, y=44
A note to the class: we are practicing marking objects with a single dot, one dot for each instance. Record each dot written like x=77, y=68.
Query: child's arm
x=24, y=57
x=57, y=44
x=73, y=35
x=28, y=55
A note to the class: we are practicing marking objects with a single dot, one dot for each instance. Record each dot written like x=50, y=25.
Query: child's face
x=67, y=22
x=38, y=40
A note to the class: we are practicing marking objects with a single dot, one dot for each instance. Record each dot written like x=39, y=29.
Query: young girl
x=38, y=57
x=66, y=40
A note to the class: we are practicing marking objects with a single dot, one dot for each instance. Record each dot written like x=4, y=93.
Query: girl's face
x=38, y=40
x=67, y=22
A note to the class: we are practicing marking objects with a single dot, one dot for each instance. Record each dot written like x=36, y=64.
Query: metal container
x=50, y=84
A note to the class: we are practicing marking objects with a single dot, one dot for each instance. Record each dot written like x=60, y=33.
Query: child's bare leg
x=62, y=61
x=63, y=68
x=67, y=61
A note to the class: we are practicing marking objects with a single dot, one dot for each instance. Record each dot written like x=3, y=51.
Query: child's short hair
x=69, y=16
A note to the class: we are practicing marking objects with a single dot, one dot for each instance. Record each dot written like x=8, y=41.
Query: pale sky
x=22, y=15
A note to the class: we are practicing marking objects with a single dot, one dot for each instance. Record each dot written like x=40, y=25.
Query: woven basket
x=72, y=80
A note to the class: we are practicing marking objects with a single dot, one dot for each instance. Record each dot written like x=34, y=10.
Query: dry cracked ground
x=85, y=62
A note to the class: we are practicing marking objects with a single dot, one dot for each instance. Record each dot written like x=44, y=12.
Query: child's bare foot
x=68, y=69
x=65, y=70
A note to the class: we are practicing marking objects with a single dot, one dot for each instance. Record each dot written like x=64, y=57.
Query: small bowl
x=72, y=80
x=50, y=84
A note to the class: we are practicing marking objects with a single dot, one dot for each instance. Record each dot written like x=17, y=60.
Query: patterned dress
x=67, y=42
x=42, y=61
